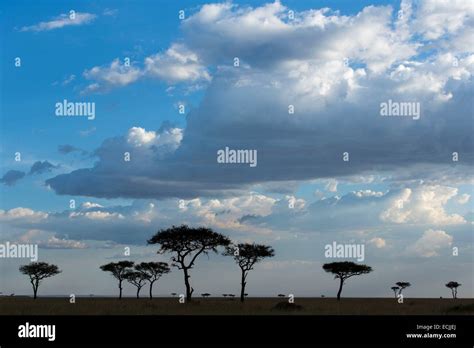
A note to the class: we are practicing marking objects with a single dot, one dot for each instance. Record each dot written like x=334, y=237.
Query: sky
x=301, y=83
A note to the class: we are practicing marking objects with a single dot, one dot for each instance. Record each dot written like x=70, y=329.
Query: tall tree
x=118, y=270
x=395, y=289
x=137, y=279
x=454, y=288
x=37, y=271
x=246, y=256
x=402, y=285
x=187, y=244
x=153, y=271
x=345, y=270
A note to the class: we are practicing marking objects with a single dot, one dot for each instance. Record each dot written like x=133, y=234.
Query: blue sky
x=335, y=66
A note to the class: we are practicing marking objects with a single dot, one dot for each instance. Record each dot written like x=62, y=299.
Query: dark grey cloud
x=304, y=146
x=11, y=177
x=67, y=149
x=41, y=167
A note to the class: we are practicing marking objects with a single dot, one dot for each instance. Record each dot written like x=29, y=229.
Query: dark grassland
x=220, y=306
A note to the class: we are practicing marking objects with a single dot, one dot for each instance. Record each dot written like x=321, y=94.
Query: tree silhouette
x=345, y=270
x=187, y=244
x=281, y=295
x=37, y=271
x=246, y=256
x=118, y=270
x=454, y=288
x=205, y=295
x=153, y=272
x=395, y=289
x=402, y=285
x=137, y=279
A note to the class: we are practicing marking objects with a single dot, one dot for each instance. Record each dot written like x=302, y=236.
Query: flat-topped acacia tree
x=187, y=243
x=345, y=270
x=454, y=288
x=395, y=290
x=137, y=279
x=118, y=270
x=37, y=271
x=246, y=255
x=153, y=271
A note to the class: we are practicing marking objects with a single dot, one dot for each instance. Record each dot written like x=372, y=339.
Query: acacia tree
x=395, y=289
x=153, y=271
x=345, y=270
x=246, y=256
x=137, y=279
x=118, y=270
x=454, y=288
x=37, y=271
x=187, y=244
x=402, y=285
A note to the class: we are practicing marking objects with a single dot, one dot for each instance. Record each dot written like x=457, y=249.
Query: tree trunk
x=138, y=292
x=120, y=290
x=242, y=288
x=189, y=291
x=35, y=291
x=35, y=288
x=151, y=290
x=455, y=293
x=340, y=289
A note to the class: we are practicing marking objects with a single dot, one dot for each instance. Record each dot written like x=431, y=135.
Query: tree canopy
x=40, y=270
x=154, y=270
x=346, y=269
x=185, y=240
x=117, y=269
x=247, y=255
x=402, y=285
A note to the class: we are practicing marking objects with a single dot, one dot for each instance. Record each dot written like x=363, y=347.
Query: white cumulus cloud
x=430, y=243
x=378, y=242
x=423, y=205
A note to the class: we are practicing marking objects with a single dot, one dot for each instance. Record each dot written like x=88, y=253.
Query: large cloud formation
x=333, y=70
